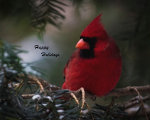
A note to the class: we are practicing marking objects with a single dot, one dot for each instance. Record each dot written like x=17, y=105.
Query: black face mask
x=90, y=52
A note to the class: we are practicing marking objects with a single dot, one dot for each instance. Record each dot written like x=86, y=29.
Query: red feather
x=100, y=74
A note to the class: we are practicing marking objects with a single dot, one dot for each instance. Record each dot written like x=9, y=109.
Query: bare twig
x=37, y=81
x=135, y=101
x=75, y=98
x=142, y=103
x=129, y=91
x=27, y=96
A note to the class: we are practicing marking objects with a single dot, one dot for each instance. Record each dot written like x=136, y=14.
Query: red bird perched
x=96, y=64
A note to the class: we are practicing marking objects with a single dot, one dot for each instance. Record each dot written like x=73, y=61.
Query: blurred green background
x=127, y=22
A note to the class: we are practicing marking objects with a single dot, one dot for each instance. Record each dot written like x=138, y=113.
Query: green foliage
x=46, y=11
x=9, y=57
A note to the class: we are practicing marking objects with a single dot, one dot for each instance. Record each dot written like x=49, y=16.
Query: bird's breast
x=99, y=75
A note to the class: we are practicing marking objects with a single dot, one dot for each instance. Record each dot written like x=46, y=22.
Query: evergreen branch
x=43, y=11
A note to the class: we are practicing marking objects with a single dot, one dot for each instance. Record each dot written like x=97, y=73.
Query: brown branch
x=27, y=96
x=135, y=101
x=141, y=106
x=37, y=81
x=139, y=111
x=129, y=91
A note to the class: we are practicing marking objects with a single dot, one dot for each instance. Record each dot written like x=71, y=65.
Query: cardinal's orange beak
x=82, y=45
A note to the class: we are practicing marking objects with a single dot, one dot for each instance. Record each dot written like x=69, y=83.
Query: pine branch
x=46, y=11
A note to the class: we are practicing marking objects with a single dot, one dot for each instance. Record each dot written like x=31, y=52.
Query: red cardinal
x=96, y=64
